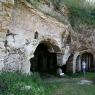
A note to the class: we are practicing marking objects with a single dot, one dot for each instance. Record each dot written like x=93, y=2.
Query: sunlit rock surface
x=23, y=28
x=18, y=24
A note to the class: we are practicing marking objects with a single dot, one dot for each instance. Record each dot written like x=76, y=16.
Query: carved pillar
x=74, y=61
x=59, y=59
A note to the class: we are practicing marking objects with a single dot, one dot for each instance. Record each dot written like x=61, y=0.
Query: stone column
x=74, y=61
x=59, y=59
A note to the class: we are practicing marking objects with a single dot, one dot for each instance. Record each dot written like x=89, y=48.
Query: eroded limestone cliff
x=24, y=25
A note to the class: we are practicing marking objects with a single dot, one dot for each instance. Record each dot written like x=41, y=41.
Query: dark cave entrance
x=88, y=59
x=44, y=62
x=64, y=68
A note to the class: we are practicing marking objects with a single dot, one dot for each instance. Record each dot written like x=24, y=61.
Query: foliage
x=81, y=12
x=35, y=3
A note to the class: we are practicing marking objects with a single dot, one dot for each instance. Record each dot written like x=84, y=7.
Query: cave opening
x=44, y=61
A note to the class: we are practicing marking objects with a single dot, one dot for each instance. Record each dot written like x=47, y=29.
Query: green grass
x=15, y=83
x=76, y=89
x=88, y=75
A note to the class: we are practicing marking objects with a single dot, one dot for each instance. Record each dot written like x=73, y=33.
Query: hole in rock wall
x=36, y=35
x=68, y=41
x=44, y=61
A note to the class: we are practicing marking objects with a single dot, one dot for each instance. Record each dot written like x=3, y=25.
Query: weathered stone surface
x=84, y=38
x=18, y=24
x=6, y=7
x=19, y=21
x=83, y=41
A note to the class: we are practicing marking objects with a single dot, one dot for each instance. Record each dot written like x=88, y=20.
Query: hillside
x=79, y=12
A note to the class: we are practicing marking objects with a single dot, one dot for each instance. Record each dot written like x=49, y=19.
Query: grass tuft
x=20, y=84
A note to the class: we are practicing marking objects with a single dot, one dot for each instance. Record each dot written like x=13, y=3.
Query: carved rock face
x=6, y=7
x=22, y=22
x=84, y=38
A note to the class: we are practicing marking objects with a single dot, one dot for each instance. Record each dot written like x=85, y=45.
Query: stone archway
x=88, y=59
x=45, y=58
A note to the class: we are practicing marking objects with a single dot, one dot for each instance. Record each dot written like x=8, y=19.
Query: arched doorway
x=88, y=59
x=44, y=61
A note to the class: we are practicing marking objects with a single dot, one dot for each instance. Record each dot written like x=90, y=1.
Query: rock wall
x=6, y=7
x=23, y=28
x=18, y=26
x=83, y=41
